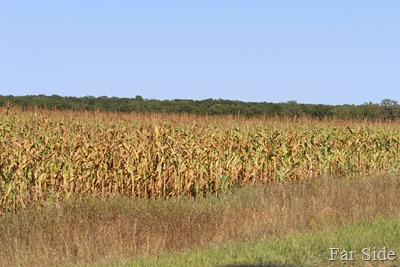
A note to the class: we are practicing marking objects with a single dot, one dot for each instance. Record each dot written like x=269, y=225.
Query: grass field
x=372, y=242
x=93, y=231
x=89, y=188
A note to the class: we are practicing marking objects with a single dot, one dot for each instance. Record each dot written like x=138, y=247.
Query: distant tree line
x=388, y=109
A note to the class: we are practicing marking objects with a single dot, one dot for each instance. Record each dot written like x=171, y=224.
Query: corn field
x=52, y=155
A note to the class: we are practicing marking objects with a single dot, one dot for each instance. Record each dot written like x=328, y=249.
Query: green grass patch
x=310, y=249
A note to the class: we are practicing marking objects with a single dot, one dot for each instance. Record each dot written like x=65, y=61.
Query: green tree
x=390, y=109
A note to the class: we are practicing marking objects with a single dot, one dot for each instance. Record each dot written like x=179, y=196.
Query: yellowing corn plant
x=51, y=155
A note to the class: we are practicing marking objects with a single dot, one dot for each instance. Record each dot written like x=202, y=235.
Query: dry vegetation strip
x=94, y=231
x=47, y=155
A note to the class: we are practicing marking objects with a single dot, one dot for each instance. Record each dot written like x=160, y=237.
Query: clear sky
x=328, y=52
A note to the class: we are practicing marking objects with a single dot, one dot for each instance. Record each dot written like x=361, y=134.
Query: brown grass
x=93, y=230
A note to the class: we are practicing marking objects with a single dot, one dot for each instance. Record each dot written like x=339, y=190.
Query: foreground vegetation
x=367, y=238
x=95, y=187
x=52, y=155
x=119, y=230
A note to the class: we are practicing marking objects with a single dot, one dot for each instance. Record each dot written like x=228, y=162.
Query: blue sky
x=328, y=52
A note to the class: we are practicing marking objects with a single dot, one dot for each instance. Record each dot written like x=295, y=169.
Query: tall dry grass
x=99, y=231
